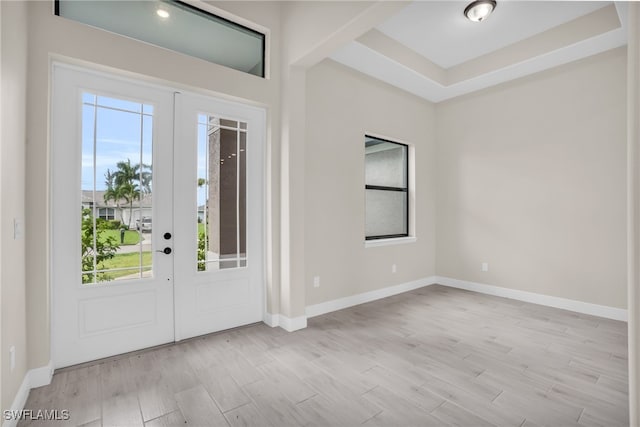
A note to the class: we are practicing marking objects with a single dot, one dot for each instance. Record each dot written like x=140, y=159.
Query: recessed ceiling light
x=478, y=10
x=162, y=13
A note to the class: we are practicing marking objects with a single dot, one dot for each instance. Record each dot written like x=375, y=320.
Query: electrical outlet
x=316, y=281
x=485, y=266
x=393, y=268
x=12, y=357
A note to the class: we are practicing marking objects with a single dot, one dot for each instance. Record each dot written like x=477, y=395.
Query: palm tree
x=125, y=184
x=143, y=176
x=113, y=192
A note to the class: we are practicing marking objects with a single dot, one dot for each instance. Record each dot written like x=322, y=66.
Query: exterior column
x=212, y=207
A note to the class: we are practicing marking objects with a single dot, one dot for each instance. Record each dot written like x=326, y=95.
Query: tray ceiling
x=430, y=48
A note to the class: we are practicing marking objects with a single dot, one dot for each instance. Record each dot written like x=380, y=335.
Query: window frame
x=406, y=190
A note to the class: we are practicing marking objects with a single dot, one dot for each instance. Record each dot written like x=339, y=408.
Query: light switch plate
x=18, y=229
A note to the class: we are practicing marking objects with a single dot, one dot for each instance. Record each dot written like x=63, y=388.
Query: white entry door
x=219, y=266
x=142, y=251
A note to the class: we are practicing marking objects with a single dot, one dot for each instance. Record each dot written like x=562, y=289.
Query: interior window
x=387, y=189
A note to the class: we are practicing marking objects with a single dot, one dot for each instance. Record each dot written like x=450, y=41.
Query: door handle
x=166, y=250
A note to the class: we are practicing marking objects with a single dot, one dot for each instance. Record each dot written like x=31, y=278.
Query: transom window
x=177, y=26
x=387, y=189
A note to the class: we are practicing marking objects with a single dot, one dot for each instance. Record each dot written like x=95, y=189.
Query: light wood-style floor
x=432, y=357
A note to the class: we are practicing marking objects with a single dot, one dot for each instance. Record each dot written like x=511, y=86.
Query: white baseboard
x=550, y=301
x=287, y=323
x=291, y=324
x=41, y=376
x=296, y=323
x=19, y=402
x=33, y=378
x=350, y=301
x=271, y=319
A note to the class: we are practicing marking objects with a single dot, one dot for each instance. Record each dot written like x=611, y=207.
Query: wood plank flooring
x=432, y=357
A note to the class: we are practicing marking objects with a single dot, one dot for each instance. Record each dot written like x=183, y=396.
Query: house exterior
x=121, y=210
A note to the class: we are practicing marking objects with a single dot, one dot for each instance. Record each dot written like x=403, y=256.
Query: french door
x=156, y=215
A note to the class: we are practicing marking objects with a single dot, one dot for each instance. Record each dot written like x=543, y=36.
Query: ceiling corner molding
x=396, y=51
x=354, y=28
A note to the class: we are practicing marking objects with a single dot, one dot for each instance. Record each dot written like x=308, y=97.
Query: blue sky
x=122, y=135
x=119, y=135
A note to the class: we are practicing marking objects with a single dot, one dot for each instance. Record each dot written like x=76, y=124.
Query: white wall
x=311, y=30
x=532, y=180
x=342, y=105
x=12, y=187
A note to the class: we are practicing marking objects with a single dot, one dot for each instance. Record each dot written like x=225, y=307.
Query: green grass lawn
x=127, y=260
x=131, y=259
x=130, y=237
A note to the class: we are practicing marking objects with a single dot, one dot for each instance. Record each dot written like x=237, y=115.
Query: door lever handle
x=166, y=250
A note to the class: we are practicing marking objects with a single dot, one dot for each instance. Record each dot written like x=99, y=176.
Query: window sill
x=387, y=242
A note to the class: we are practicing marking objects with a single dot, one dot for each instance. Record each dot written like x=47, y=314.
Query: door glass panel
x=116, y=186
x=221, y=190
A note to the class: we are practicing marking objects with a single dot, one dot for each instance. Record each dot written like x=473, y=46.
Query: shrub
x=202, y=252
x=113, y=224
x=105, y=248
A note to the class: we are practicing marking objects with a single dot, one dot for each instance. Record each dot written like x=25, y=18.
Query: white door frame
x=53, y=159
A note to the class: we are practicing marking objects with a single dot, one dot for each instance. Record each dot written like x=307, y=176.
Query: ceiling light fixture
x=162, y=13
x=478, y=10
